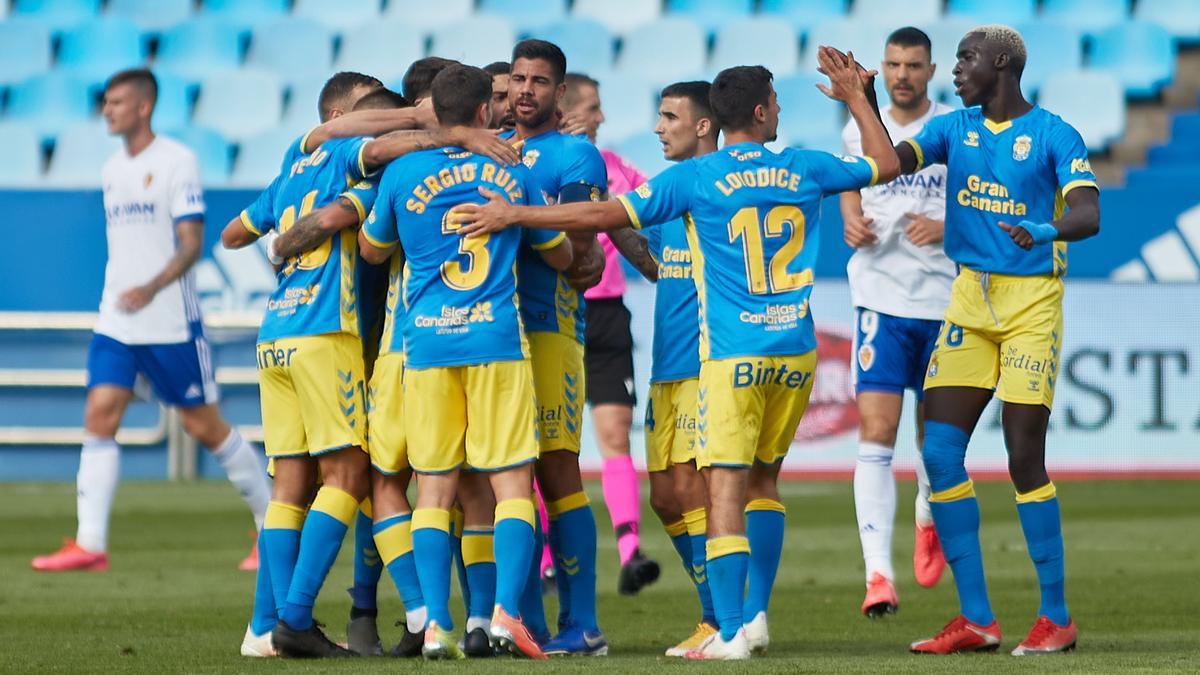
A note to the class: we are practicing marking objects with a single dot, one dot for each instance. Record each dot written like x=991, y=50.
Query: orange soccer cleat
x=928, y=560
x=250, y=562
x=1047, y=637
x=881, y=597
x=71, y=557
x=958, y=636
x=513, y=636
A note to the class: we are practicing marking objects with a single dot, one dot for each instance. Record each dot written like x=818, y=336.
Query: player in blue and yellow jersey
x=750, y=215
x=1012, y=169
x=469, y=395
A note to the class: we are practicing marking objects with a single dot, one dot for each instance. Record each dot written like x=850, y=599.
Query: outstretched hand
x=847, y=77
x=477, y=220
x=488, y=142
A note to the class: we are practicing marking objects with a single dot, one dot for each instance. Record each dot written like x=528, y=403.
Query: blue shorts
x=891, y=353
x=181, y=374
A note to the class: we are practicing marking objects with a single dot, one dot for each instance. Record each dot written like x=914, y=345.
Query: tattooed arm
x=315, y=227
x=632, y=245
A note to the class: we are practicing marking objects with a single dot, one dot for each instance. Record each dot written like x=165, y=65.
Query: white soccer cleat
x=757, y=635
x=257, y=645
x=716, y=649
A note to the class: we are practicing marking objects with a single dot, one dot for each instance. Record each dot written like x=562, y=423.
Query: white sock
x=483, y=622
x=875, y=505
x=416, y=619
x=95, y=485
x=247, y=473
x=924, y=515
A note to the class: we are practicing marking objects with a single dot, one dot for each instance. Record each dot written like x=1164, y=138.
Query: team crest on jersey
x=595, y=194
x=866, y=357
x=1021, y=148
x=972, y=139
x=530, y=158
x=933, y=366
x=643, y=191
x=147, y=180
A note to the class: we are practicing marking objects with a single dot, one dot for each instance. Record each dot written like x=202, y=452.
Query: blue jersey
x=675, y=355
x=460, y=294
x=318, y=290
x=565, y=169
x=750, y=217
x=1007, y=172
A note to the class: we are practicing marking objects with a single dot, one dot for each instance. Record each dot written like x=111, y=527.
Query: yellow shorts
x=1006, y=337
x=748, y=407
x=482, y=416
x=312, y=394
x=671, y=424
x=385, y=415
x=558, y=381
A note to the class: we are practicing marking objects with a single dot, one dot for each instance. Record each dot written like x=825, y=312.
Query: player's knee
x=944, y=454
x=347, y=471
x=664, y=504
x=877, y=431
x=101, y=421
x=205, y=425
x=875, y=453
x=1027, y=472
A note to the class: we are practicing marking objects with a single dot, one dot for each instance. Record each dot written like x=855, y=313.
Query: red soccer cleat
x=959, y=636
x=881, y=597
x=71, y=557
x=250, y=562
x=1047, y=637
x=513, y=636
x=928, y=560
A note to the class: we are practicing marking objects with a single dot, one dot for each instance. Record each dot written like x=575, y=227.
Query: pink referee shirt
x=622, y=177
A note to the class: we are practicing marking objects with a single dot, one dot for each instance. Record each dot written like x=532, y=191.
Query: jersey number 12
x=775, y=277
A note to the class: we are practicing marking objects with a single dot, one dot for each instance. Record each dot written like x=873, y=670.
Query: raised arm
x=369, y=123
x=190, y=235
x=498, y=213
x=848, y=83
x=633, y=245
x=486, y=142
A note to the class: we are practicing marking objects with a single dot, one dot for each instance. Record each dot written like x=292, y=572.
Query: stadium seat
x=761, y=40
x=944, y=37
x=711, y=14
x=636, y=112
x=620, y=16
x=587, y=44
x=664, y=51
x=276, y=46
x=1088, y=16
x=249, y=275
x=1175, y=155
x=804, y=14
x=424, y=16
x=213, y=152
x=301, y=113
x=50, y=103
x=1184, y=176
x=22, y=163
x=57, y=14
x=174, y=107
x=200, y=48
x=979, y=12
x=478, y=40
x=1050, y=47
x=865, y=38
x=338, y=14
x=526, y=15
x=644, y=151
x=909, y=13
x=80, y=153
x=246, y=13
x=259, y=157
x=152, y=15
x=1180, y=17
x=381, y=48
x=240, y=104
x=1140, y=54
x=97, y=49
x=1090, y=100
x=3, y=9
x=807, y=118
x=25, y=50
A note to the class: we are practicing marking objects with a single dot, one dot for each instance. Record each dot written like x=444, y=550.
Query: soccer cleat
x=697, y=638
x=958, y=636
x=257, y=645
x=928, y=560
x=881, y=597
x=409, y=645
x=477, y=645
x=440, y=644
x=305, y=644
x=639, y=572
x=250, y=562
x=1047, y=637
x=362, y=635
x=574, y=641
x=757, y=635
x=512, y=635
x=71, y=557
x=715, y=649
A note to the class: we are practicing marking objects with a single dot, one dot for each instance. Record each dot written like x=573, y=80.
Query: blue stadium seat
x=381, y=48
x=1182, y=176
x=25, y=50
x=79, y=154
x=50, y=103
x=865, y=38
x=338, y=14
x=807, y=118
x=174, y=107
x=711, y=14
x=295, y=49
x=526, y=15
x=1088, y=16
x=620, y=16
x=1180, y=17
x=761, y=40
x=1174, y=155
x=301, y=113
x=1140, y=54
x=246, y=13
x=1090, y=100
x=213, y=152
x=478, y=40
x=240, y=104
x=97, y=49
x=587, y=44
x=1050, y=47
x=152, y=15
x=635, y=113
x=1009, y=12
x=1185, y=129
x=258, y=158
x=944, y=37
x=644, y=151
x=200, y=48
x=22, y=163
x=804, y=14
x=424, y=16
x=908, y=13
x=665, y=51
x=57, y=14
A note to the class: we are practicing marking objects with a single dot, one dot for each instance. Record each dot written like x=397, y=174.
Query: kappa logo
x=1021, y=147
x=1081, y=165
x=972, y=139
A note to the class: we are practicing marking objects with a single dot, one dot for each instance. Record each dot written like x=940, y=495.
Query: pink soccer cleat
x=71, y=557
x=250, y=562
x=928, y=560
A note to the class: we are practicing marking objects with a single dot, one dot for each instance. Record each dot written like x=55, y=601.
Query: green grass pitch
x=173, y=600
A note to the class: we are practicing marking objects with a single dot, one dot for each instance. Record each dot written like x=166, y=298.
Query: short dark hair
x=382, y=99
x=418, y=79
x=338, y=87
x=458, y=91
x=498, y=68
x=547, y=51
x=574, y=82
x=736, y=92
x=909, y=36
x=139, y=78
x=696, y=93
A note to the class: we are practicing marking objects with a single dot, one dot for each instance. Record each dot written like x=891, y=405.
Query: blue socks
x=479, y=569
x=727, y=562
x=280, y=546
x=533, y=611
x=574, y=526
x=431, y=546
x=1040, y=520
x=514, y=553
x=764, y=529
x=264, y=616
x=393, y=538
x=320, y=541
x=367, y=565
x=696, y=522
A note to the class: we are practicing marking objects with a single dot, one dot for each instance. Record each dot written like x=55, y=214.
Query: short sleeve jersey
x=459, y=294
x=750, y=216
x=674, y=351
x=1004, y=172
x=318, y=290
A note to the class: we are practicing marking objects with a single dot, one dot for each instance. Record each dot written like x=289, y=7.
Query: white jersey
x=895, y=276
x=144, y=197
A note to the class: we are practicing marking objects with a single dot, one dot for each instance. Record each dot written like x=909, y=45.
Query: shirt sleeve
x=930, y=143
x=654, y=241
x=380, y=226
x=584, y=179
x=537, y=238
x=838, y=173
x=348, y=153
x=665, y=197
x=187, y=193
x=259, y=217
x=1069, y=156
x=363, y=194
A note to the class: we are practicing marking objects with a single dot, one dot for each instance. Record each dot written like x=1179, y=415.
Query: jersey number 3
x=465, y=275
x=775, y=277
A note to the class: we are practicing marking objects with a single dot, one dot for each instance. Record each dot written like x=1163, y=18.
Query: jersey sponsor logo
x=990, y=197
x=866, y=357
x=676, y=263
x=1021, y=147
x=455, y=320
x=755, y=374
x=972, y=139
x=1081, y=165
x=271, y=357
x=777, y=317
x=293, y=298
x=1015, y=358
x=131, y=210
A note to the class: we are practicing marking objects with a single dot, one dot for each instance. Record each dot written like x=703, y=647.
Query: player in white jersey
x=149, y=328
x=900, y=285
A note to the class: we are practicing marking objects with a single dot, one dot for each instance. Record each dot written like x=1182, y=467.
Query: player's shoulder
x=1051, y=122
x=940, y=109
x=172, y=149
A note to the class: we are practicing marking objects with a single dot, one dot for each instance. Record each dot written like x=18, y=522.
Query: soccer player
x=149, y=328
x=468, y=381
x=900, y=285
x=417, y=85
x=502, y=116
x=750, y=215
x=1012, y=167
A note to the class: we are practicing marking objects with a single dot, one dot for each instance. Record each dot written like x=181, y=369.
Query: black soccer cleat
x=409, y=645
x=477, y=645
x=305, y=644
x=362, y=634
x=639, y=572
